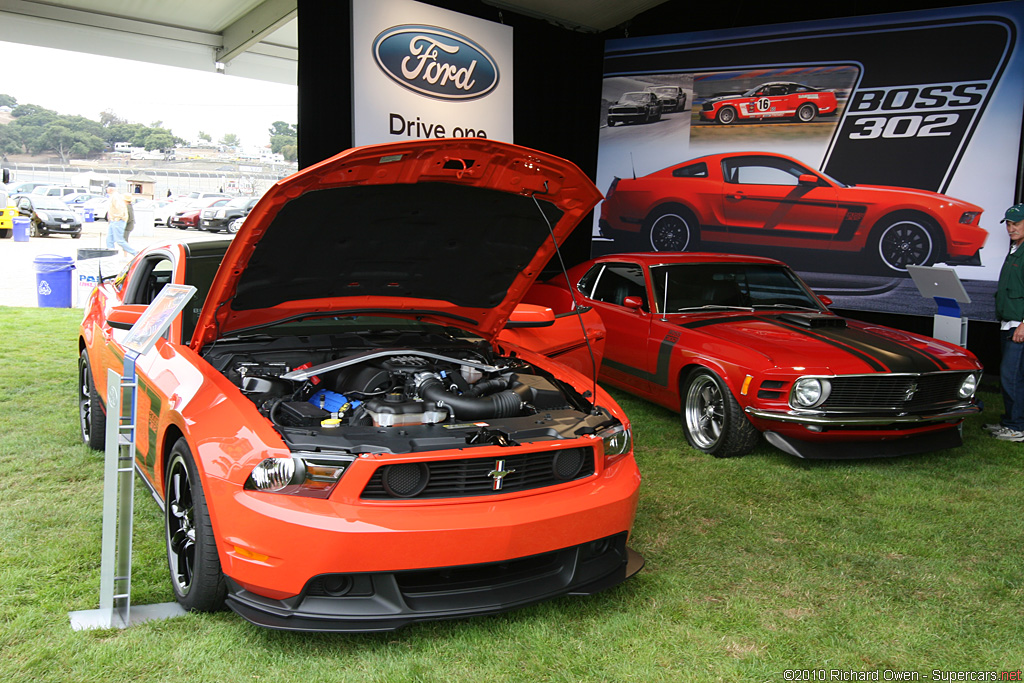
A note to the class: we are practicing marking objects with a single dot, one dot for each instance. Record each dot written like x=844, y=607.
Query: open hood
x=450, y=231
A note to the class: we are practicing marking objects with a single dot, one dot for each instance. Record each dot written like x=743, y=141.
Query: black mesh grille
x=925, y=392
x=477, y=476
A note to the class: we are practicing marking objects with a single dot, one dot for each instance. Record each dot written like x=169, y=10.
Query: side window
x=692, y=171
x=586, y=284
x=754, y=171
x=149, y=279
x=618, y=281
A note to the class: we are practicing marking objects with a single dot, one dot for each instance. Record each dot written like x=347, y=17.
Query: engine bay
x=352, y=393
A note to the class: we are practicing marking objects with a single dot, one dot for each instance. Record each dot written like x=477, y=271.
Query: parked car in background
x=99, y=206
x=782, y=100
x=23, y=187
x=48, y=215
x=161, y=211
x=218, y=218
x=56, y=190
x=671, y=97
x=340, y=445
x=740, y=346
x=773, y=200
x=77, y=198
x=635, y=107
x=8, y=210
x=189, y=217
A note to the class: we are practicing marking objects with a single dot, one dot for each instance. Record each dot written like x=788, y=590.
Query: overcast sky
x=187, y=101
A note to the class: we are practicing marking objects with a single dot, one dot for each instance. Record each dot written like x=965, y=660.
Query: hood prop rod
x=572, y=293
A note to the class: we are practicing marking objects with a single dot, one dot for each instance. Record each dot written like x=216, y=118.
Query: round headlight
x=273, y=474
x=969, y=386
x=809, y=392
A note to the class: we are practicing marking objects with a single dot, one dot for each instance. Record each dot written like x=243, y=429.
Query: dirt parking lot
x=18, y=282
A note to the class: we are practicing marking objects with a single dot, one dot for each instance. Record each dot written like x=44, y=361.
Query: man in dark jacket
x=1010, y=311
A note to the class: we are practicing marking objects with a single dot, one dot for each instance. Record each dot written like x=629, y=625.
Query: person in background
x=1010, y=311
x=117, y=218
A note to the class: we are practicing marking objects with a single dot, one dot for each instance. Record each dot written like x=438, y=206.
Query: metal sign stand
x=943, y=285
x=115, y=609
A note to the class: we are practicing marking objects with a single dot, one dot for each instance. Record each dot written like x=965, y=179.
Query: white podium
x=943, y=285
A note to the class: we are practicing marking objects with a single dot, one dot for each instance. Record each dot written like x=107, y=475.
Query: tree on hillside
x=205, y=136
x=8, y=101
x=290, y=152
x=282, y=128
x=108, y=119
x=230, y=140
x=66, y=142
x=282, y=135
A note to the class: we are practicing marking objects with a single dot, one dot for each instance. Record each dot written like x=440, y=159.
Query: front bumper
x=833, y=421
x=384, y=601
x=847, y=449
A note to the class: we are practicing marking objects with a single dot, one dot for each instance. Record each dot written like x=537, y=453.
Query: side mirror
x=808, y=179
x=825, y=300
x=124, y=316
x=634, y=303
x=530, y=315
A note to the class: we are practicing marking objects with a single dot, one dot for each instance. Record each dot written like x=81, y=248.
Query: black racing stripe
x=898, y=356
x=660, y=374
x=817, y=334
x=720, y=321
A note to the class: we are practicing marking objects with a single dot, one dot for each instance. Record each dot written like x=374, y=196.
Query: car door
x=773, y=200
x=606, y=287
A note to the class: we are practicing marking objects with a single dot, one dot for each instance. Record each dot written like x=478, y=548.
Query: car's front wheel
x=712, y=419
x=191, y=550
x=90, y=412
x=903, y=241
x=806, y=113
x=671, y=228
x=235, y=225
x=726, y=115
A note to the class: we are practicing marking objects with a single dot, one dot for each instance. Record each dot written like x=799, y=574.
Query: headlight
x=969, y=216
x=219, y=213
x=310, y=474
x=969, y=386
x=618, y=441
x=809, y=392
x=43, y=216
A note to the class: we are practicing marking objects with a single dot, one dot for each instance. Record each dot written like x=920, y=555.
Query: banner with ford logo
x=437, y=74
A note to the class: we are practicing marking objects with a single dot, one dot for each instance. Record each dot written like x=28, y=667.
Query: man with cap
x=1010, y=311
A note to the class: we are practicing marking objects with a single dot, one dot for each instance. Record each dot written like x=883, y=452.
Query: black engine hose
x=502, y=404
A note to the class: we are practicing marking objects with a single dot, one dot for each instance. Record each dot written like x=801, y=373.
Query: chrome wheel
x=671, y=230
x=90, y=412
x=726, y=115
x=704, y=412
x=806, y=113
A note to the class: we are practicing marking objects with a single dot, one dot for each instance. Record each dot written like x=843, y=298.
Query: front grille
x=478, y=476
x=890, y=392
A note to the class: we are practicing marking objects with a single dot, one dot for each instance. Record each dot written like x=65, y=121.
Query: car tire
x=805, y=113
x=671, y=228
x=713, y=421
x=33, y=230
x=905, y=240
x=192, y=559
x=6, y=233
x=726, y=115
x=90, y=411
x=76, y=236
x=235, y=225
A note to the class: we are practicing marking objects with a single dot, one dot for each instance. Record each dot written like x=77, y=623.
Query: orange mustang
x=339, y=437
x=768, y=101
x=771, y=200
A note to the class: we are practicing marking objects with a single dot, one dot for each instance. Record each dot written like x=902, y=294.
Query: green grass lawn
x=754, y=566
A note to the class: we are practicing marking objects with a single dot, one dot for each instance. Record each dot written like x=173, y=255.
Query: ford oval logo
x=435, y=62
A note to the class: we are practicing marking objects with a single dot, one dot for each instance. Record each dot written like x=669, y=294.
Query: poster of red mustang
x=849, y=148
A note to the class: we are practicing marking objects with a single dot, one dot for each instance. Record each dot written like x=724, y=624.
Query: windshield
x=44, y=202
x=665, y=90
x=696, y=286
x=634, y=97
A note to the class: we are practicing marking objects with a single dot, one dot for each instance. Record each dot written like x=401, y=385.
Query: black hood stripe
x=881, y=353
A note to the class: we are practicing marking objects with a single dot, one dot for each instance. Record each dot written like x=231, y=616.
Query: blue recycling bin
x=90, y=215
x=53, y=280
x=20, y=228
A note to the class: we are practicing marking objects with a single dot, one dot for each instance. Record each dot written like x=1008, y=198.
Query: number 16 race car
x=771, y=101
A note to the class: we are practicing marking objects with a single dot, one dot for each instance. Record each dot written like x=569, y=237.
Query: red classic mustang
x=740, y=345
x=760, y=198
x=782, y=100
x=338, y=435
